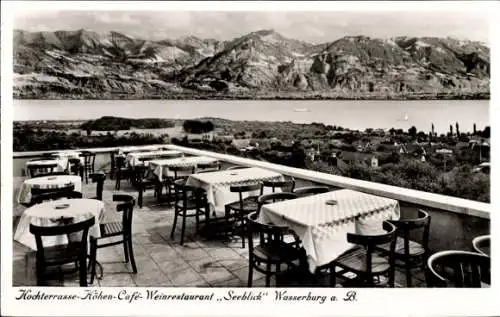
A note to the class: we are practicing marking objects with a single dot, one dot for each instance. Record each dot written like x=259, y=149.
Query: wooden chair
x=287, y=185
x=482, y=244
x=458, y=269
x=40, y=197
x=99, y=179
x=73, y=252
x=241, y=207
x=114, y=230
x=311, y=190
x=274, y=197
x=145, y=180
x=411, y=253
x=271, y=250
x=75, y=167
x=363, y=261
x=88, y=164
x=39, y=170
x=235, y=167
x=121, y=170
x=189, y=202
x=179, y=172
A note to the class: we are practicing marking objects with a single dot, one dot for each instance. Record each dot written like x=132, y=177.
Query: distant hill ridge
x=85, y=64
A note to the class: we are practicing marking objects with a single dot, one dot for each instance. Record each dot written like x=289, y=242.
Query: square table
x=134, y=158
x=46, y=214
x=217, y=184
x=322, y=226
x=161, y=167
x=61, y=162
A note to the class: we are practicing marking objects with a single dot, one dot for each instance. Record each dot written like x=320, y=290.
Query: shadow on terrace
x=214, y=255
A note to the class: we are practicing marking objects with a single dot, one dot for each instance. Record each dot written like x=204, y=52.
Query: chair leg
x=139, y=199
x=250, y=274
x=174, y=224
x=93, y=259
x=197, y=219
x=268, y=274
x=183, y=229
x=408, y=273
x=333, y=277
x=83, y=270
x=125, y=249
x=242, y=229
x=131, y=252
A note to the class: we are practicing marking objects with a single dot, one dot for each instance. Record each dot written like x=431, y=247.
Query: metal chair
x=458, y=269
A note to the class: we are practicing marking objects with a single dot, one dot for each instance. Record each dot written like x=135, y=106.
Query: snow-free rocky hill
x=85, y=64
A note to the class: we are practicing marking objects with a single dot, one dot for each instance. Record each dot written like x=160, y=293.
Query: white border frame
x=396, y=302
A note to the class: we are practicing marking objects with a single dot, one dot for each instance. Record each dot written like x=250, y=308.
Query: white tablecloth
x=24, y=194
x=46, y=214
x=61, y=162
x=134, y=158
x=69, y=154
x=141, y=148
x=323, y=227
x=161, y=167
x=217, y=184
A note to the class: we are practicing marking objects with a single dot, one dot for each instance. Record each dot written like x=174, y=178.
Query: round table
x=47, y=215
x=24, y=195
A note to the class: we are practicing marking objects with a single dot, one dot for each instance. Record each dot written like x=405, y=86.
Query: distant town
x=455, y=163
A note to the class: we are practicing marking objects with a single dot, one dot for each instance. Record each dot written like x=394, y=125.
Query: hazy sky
x=315, y=27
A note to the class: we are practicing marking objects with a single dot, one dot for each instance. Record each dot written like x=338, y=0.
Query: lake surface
x=353, y=114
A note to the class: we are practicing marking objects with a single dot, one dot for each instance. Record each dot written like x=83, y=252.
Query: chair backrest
x=65, y=228
x=274, y=197
x=98, y=178
x=286, y=185
x=405, y=226
x=52, y=174
x=183, y=192
x=55, y=196
x=120, y=160
x=235, y=167
x=181, y=171
x=458, y=269
x=126, y=206
x=35, y=191
x=37, y=170
x=241, y=189
x=482, y=244
x=268, y=234
x=88, y=158
x=371, y=241
x=311, y=190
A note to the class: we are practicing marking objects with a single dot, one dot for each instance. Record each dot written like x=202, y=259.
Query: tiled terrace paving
x=161, y=261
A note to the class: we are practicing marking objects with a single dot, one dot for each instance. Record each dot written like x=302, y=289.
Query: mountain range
x=263, y=64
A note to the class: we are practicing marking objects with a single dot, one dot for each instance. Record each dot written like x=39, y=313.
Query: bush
x=197, y=126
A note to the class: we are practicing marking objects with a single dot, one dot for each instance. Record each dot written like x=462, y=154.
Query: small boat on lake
x=301, y=109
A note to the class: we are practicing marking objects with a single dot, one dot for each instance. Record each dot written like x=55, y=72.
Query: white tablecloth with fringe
x=217, y=184
x=134, y=158
x=46, y=214
x=24, y=194
x=161, y=167
x=322, y=226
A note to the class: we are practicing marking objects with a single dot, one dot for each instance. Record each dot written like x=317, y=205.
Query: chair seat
x=276, y=253
x=415, y=248
x=355, y=260
x=61, y=254
x=110, y=229
x=249, y=204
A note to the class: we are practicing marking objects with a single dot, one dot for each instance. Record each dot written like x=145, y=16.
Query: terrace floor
x=161, y=261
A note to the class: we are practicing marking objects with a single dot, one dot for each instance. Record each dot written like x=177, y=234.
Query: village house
x=347, y=158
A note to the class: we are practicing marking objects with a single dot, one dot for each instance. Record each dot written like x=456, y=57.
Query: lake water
x=353, y=114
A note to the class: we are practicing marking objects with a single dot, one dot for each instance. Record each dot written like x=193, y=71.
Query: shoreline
x=290, y=96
